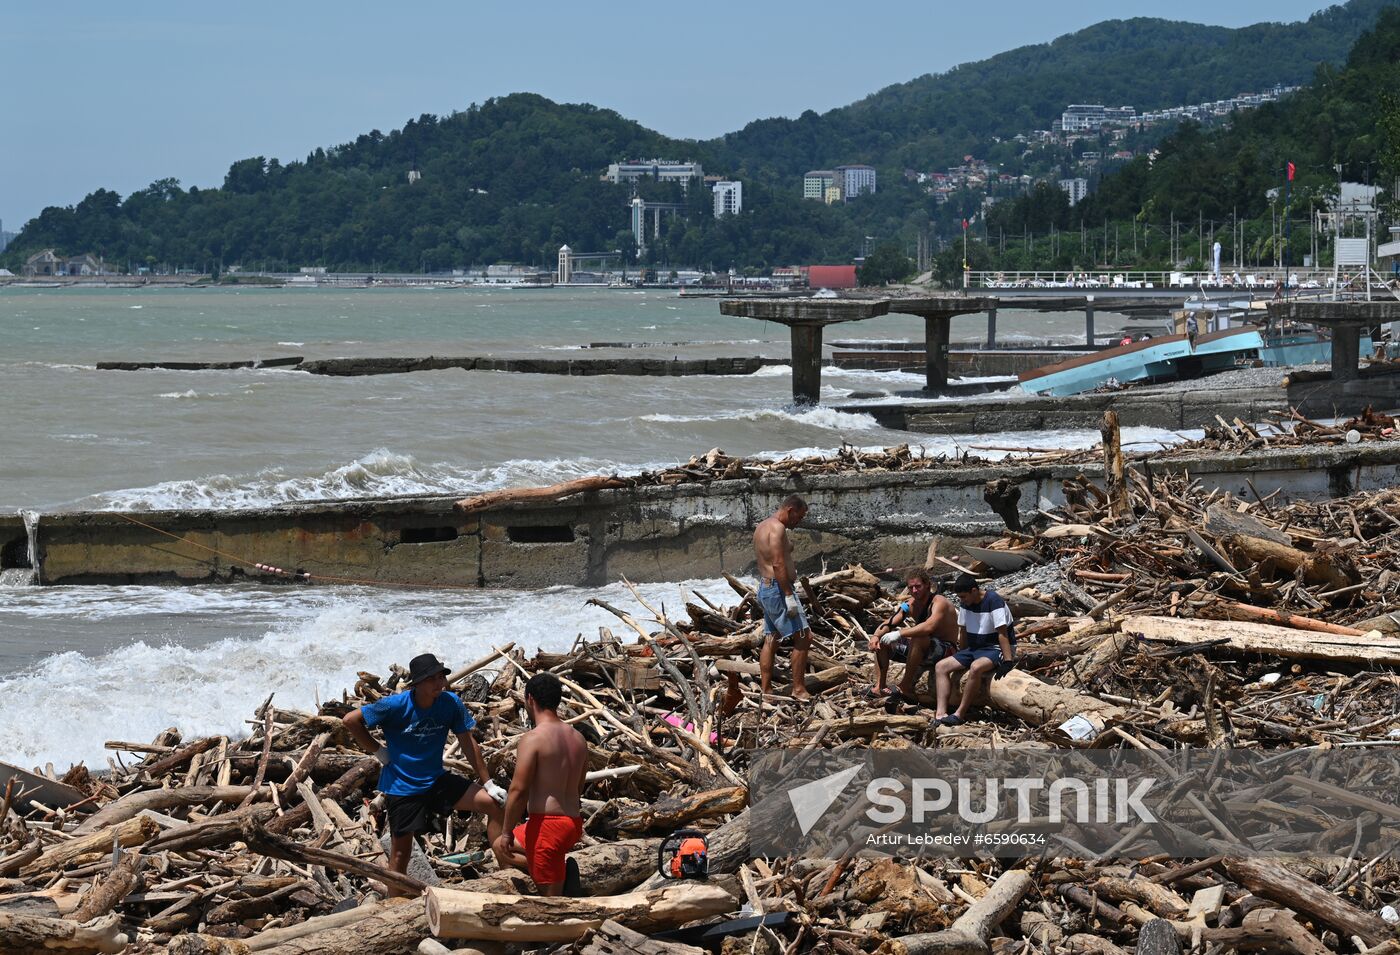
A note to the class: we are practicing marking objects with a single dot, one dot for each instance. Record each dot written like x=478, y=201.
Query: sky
x=119, y=95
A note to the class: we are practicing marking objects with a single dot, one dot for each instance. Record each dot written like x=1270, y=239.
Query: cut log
x=134, y=803
x=969, y=933
x=1222, y=521
x=1270, y=880
x=553, y=492
x=394, y=930
x=25, y=935
x=133, y=832
x=1370, y=650
x=671, y=813
x=517, y=918
x=610, y=938
x=1039, y=703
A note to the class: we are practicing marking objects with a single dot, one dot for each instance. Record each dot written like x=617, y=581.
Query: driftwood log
x=26, y=935
x=516, y=918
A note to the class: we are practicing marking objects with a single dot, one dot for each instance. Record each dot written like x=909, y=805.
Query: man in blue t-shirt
x=986, y=645
x=420, y=791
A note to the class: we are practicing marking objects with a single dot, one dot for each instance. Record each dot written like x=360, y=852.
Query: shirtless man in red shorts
x=550, y=766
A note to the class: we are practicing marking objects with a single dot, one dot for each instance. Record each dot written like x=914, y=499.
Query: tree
x=887, y=263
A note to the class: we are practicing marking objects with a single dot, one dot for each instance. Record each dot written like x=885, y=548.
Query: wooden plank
x=1374, y=649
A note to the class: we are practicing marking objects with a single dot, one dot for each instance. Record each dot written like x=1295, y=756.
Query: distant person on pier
x=986, y=647
x=420, y=791
x=550, y=765
x=783, y=619
x=923, y=629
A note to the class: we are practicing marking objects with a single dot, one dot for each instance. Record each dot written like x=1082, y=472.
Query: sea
x=82, y=665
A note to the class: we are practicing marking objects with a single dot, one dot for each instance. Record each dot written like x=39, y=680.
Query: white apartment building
x=855, y=180
x=1076, y=189
x=729, y=198
x=1082, y=117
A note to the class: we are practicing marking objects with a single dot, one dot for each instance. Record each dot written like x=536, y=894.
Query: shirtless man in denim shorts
x=783, y=619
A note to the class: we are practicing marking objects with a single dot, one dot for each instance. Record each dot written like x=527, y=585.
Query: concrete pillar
x=992, y=327
x=1089, y=322
x=936, y=356
x=1346, y=352
x=806, y=364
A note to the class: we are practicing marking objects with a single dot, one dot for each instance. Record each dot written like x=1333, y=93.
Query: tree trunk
x=605, y=869
x=969, y=932
x=132, y=804
x=670, y=813
x=25, y=935
x=1315, y=568
x=1118, y=502
x=392, y=928
x=1270, y=880
x=1039, y=703
x=110, y=890
x=553, y=492
x=133, y=832
x=1269, y=640
x=516, y=918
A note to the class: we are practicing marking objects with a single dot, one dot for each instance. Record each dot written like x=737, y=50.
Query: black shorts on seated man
x=986, y=646
x=419, y=789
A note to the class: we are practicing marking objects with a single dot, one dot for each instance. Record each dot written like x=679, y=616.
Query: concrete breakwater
x=645, y=533
x=346, y=367
x=1176, y=406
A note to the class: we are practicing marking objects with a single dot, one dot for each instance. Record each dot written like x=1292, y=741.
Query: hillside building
x=816, y=183
x=855, y=180
x=1076, y=189
x=729, y=198
x=662, y=170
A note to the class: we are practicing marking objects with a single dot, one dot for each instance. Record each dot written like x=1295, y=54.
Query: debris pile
x=1159, y=614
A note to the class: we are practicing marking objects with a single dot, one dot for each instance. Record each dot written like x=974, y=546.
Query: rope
x=295, y=574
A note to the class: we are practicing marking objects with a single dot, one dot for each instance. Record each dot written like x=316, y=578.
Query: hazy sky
x=118, y=95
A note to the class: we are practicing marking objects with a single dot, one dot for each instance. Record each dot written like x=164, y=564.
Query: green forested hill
x=1206, y=181
x=1146, y=63
x=514, y=178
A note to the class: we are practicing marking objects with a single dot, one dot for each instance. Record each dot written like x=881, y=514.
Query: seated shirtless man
x=550, y=765
x=922, y=631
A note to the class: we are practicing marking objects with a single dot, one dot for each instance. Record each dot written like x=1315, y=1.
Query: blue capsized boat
x=1168, y=357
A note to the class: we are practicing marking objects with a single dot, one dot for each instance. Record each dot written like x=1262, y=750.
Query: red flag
x=964, y=223
x=1290, y=172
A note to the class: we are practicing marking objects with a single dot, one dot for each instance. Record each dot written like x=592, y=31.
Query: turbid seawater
x=79, y=665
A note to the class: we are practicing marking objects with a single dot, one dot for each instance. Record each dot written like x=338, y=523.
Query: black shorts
x=937, y=650
x=425, y=811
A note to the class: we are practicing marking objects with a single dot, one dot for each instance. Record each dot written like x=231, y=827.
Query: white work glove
x=496, y=791
x=382, y=754
x=794, y=609
x=890, y=639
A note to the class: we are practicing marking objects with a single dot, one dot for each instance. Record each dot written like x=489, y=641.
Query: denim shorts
x=775, y=616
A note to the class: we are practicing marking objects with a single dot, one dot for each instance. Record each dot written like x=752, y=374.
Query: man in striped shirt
x=986, y=645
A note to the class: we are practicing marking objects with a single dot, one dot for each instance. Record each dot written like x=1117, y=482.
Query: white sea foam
x=814, y=417
x=66, y=706
x=179, y=394
x=381, y=473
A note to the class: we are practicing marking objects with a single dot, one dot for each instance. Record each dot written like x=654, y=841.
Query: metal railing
x=1252, y=280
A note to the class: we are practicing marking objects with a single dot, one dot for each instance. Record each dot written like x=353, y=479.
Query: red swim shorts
x=547, y=840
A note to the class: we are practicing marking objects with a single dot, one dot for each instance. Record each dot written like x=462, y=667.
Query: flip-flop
x=898, y=701
x=952, y=719
x=880, y=695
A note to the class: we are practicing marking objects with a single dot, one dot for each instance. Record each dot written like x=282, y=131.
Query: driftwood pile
x=1167, y=615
